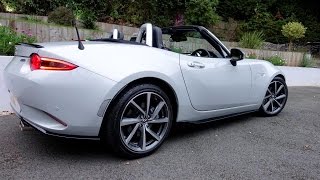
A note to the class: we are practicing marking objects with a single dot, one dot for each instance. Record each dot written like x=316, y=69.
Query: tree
x=243, y=9
x=2, y=9
x=293, y=31
x=201, y=12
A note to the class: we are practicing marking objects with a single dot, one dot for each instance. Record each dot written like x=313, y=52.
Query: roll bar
x=145, y=29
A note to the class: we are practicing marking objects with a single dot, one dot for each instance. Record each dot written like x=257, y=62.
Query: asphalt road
x=246, y=147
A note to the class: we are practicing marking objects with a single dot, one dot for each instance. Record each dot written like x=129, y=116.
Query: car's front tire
x=139, y=121
x=275, y=98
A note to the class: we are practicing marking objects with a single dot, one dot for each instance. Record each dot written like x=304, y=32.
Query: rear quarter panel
x=125, y=63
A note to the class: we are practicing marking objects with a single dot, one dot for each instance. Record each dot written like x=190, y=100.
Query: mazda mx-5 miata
x=129, y=94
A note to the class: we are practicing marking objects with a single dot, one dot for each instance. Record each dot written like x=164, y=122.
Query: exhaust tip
x=24, y=126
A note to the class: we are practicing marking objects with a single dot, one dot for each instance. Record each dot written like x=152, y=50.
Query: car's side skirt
x=219, y=118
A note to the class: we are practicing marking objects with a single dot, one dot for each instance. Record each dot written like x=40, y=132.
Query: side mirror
x=236, y=55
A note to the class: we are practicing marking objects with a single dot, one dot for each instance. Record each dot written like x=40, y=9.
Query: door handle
x=196, y=64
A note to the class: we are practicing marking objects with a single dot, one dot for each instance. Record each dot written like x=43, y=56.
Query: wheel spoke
x=158, y=121
x=158, y=109
x=275, y=86
x=153, y=134
x=132, y=133
x=280, y=88
x=143, y=139
x=265, y=106
x=272, y=107
x=277, y=103
x=129, y=121
x=267, y=97
x=269, y=91
x=148, y=104
x=281, y=97
x=138, y=107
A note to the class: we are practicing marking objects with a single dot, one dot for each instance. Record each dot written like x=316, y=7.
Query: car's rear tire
x=129, y=130
x=275, y=98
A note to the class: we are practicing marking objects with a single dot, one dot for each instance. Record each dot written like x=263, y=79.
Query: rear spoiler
x=30, y=45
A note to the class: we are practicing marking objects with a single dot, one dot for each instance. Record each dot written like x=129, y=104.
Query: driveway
x=246, y=147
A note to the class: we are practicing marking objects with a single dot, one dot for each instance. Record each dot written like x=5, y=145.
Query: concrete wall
x=4, y=95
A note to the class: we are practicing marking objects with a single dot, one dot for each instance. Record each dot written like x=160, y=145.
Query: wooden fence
x=291, y=58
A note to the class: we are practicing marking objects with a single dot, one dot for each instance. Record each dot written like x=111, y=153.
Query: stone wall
x=4, y=95
x=46, y=32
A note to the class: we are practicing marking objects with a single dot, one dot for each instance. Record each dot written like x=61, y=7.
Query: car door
x=214, y=83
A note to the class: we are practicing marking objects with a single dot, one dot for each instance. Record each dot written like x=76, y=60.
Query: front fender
x=263, y=72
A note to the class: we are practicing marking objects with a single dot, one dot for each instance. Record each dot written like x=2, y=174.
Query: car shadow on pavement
x=186, y=129
x=84, y=148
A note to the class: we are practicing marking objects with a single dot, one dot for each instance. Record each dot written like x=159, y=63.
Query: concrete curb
x=4, y=95
x=299, y=76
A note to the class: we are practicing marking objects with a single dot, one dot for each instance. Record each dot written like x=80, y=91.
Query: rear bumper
x=58, y=103
x=30, y=124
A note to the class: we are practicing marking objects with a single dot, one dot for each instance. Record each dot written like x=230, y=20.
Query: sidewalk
x=298, y=76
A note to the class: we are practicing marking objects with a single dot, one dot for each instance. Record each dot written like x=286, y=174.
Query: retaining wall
x=4, y=95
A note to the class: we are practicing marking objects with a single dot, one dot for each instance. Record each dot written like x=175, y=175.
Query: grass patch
x=32, y=19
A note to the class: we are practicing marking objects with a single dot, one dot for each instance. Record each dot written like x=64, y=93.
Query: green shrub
x=88, y=19
x=266, y=23
x=201, y=12
x=252, y=40
x=276, y=60
x=9, y=38
x=251, y=56
x=62, y=16
x=307, y=61
x=2, y=9
x=177, y=50
x=293, y=31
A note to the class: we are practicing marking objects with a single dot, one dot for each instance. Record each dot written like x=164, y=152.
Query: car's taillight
x=45, y=63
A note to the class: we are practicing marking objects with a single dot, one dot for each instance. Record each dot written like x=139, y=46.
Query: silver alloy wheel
x=275, y=97
x=144, y=122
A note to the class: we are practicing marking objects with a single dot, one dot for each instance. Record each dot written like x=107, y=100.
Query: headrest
x=117, y=35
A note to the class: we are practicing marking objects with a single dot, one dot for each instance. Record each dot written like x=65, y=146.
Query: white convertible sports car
x=130, y=93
